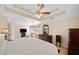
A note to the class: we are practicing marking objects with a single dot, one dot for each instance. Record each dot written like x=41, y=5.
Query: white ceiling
x=71, y=10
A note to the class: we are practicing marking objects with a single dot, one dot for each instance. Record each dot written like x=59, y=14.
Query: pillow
x=3, y=43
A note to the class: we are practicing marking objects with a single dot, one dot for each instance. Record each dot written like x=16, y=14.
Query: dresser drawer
x=47, y=38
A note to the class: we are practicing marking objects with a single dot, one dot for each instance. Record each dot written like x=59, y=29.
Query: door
x=73, y=48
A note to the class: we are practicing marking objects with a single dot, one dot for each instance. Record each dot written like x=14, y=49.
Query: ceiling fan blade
x=45, y=12
x=20, y=13
x=55, y=14
x=53, y=11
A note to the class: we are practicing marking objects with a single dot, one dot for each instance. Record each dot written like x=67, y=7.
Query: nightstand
x=58, y=40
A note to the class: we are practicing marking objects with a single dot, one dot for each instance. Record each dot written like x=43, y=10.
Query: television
x=23, y=30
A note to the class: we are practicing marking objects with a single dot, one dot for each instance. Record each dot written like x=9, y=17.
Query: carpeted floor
x=62, y=50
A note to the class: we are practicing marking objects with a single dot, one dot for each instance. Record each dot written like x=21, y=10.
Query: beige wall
x=3, y=23
x=61, y=27
x=17, y=30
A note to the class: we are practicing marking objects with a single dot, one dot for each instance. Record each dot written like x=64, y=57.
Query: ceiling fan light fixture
x=38, y=15
x=41, y=6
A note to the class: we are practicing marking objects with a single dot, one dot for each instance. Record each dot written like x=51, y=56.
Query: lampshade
x=6, y=30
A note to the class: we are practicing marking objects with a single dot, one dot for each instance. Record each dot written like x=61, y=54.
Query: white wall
x=61, y=27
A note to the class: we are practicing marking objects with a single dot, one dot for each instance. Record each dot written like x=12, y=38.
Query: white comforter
x=30, y=46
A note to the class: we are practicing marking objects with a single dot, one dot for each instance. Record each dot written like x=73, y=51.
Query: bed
x=29, y=46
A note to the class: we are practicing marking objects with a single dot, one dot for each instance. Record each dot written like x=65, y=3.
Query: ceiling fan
x=40, y=10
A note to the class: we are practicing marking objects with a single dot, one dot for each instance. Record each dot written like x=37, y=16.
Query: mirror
x=45, y=29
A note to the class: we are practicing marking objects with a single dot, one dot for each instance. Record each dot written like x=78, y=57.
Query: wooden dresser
x=47, y=38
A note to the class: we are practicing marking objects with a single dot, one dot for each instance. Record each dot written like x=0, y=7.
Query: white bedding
x=3, y=43
x=30, y=46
